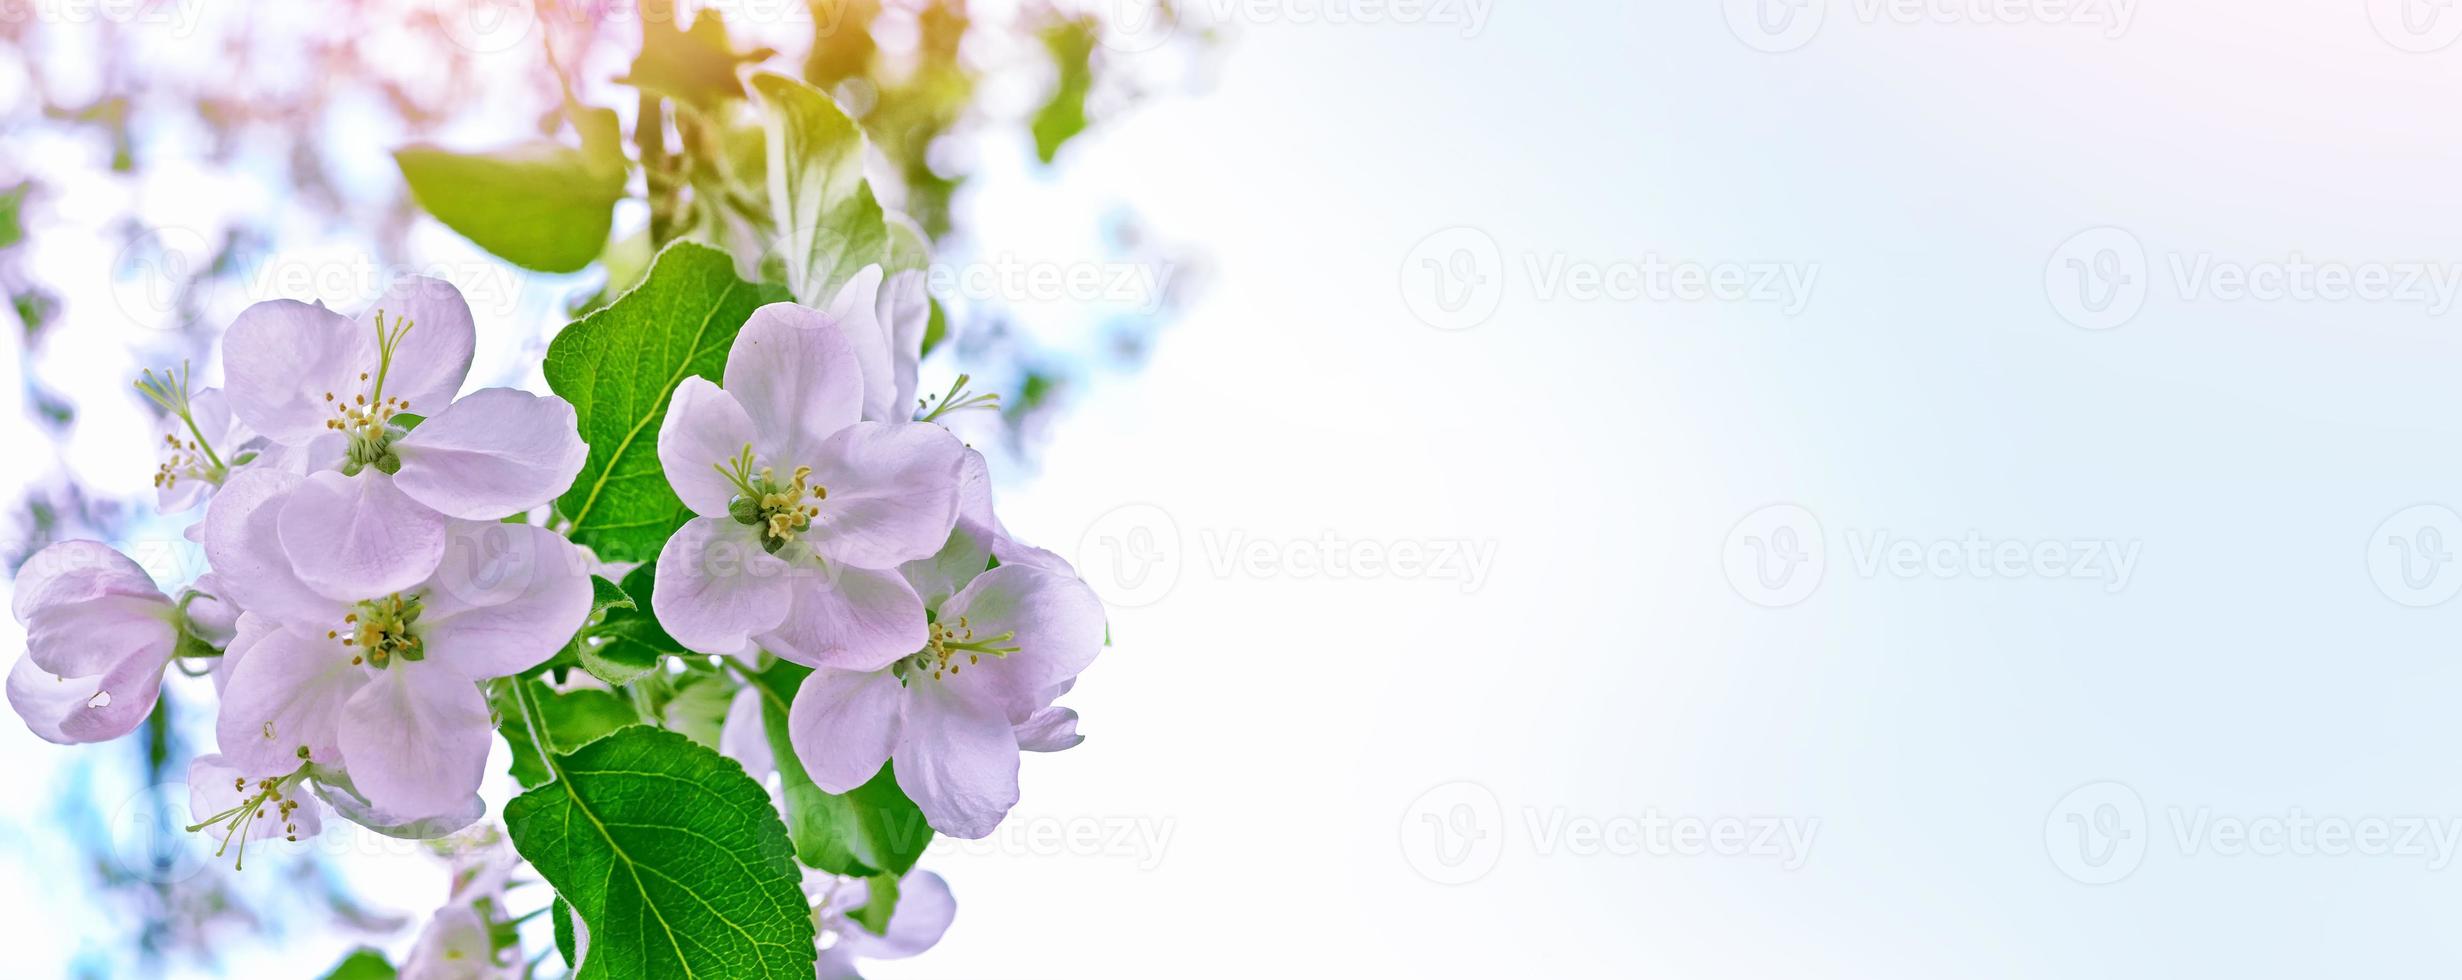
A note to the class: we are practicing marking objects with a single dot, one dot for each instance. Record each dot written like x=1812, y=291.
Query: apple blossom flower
x=949, y=714
x=804, y=511
x=191, y=427
x=884, y=320
x=98, y=637
x=923, y=913
x=385, y=686
x=251, y=805
x=371, y=517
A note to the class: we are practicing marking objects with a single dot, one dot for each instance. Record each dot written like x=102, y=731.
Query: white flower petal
x=88, y=608
x=415, y=739
x=504, y=599
x=287, y=695
x=499, y=451
x=957, y=760
x=797, y=379
x=434, y=357
x=705, y=428
x=843, y=724
x=282, y=357
x=850, y=618
x=892, y=493
x=353, y=538
x=716, y=586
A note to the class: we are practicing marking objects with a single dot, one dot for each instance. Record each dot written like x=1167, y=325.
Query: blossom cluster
x=383, y=546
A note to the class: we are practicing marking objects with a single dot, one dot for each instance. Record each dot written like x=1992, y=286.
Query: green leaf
x=563, y=922
x=362, y=964
x=629, y=642
x=828, y=224
x=873, y=830
x=1063, y=116
x=696, y=66
x=573, y=718
x=935, y=329
x=672, y=858
x=880, y=900
x=618, y=367
x=698, y=707
x=540, y=205
x=909, y=248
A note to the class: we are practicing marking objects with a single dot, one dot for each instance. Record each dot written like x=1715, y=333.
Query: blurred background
x=1772, y=487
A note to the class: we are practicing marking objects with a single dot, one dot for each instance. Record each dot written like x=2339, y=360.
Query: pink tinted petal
x=334, y=787
x=434, y=356
x=44, y=699
x=1055, y=622
x=1052, y=729
x=352, y=538
x=744, y=737
x=705, y=428
x=969, y=548
x=505, y=598
x=905, y=311
x=415, y=739
x=843, y=723
x=251, y=630
x=797, y=378
x=499, y=451
x=850, y=618
x=836, y=963
x=243, y=542
x=716, y=586
x=957, y=760
x=87, y=608
x=455, y=945
x=282, y=357
x=856, y=310
x=212, y=616
x=288, y=694
x=925, y=909
x=893, y=493
x=117, y=701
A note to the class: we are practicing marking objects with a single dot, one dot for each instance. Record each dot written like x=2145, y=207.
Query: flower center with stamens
x=777, y=508
x=367, y=417
x=379, y=630
x=951, y=648
x=272, y=798
x=192, y=457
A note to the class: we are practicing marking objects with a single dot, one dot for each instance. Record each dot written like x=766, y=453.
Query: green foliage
x=828, y=224
x=1071, y=45
x=363, y=964
x=618, y=367
x=572, y=718
x=873, y=830
x=629, y=639
x=540, y=205
x=695, y=66
x=671, y=856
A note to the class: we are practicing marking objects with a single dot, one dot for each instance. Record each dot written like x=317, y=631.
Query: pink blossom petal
x=957, y=760
x=434, y=357
x=415, y=739
x=243, y=542
x=88, y=608
x=716, y=586
x=797, y=378
x=905, y=311
x=71, y=710
x=856, y=310
x=287, y=695
x=250, y=630
x=705, y=428
x=354, y=538
x=892, y=493
x=499, y=451
x=925, y=909
x=969, y=548
x=1056, y=623
x=850, y=618
x=744, y=736
x=282, y=357
x=504, y=599
x=843, y=724
x=1052, y=729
